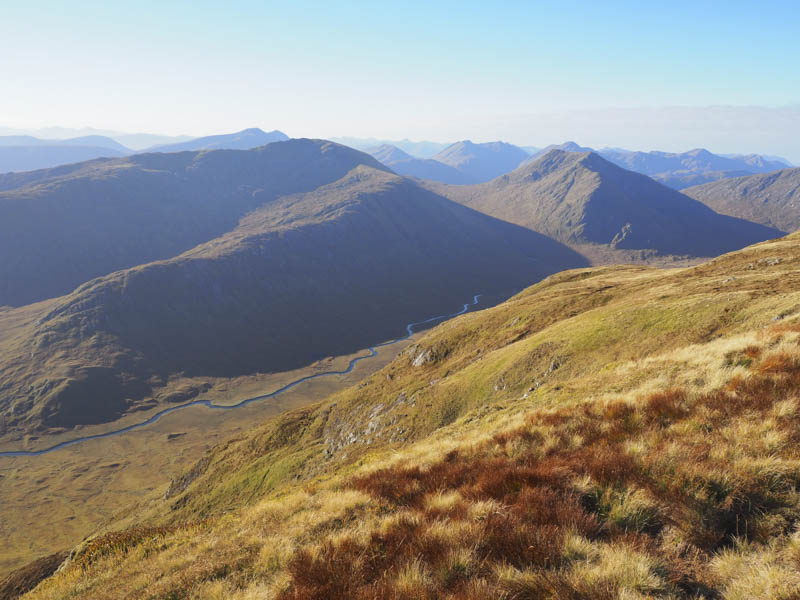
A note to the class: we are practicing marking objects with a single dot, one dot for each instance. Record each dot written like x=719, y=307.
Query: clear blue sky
x=406, y=69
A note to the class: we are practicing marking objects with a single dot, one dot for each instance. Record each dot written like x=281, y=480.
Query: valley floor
x=51, y=502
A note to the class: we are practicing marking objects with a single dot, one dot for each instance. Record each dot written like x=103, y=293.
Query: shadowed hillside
x=582, y=199
x=304, y=277
x=64, y=226
x=772, y=199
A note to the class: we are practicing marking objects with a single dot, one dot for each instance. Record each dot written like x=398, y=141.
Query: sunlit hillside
x=611, y=432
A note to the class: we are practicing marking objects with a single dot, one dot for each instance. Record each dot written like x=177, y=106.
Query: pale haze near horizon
x=720, y=76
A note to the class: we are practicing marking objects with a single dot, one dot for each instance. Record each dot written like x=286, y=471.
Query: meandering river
x=208, y=404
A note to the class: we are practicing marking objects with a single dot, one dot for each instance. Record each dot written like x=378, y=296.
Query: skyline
x=643, y=77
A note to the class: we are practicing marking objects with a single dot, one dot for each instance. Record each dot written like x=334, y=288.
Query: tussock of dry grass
x=658, y=495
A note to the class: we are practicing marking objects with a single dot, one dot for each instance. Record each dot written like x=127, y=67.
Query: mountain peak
x=484, y=161
x=388, y=154
x=582, y=198
x=553, y=160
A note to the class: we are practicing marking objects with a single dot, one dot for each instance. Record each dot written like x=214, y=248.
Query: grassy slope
x=612, y=432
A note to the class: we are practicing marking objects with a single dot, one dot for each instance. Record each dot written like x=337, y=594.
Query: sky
x=646, y=75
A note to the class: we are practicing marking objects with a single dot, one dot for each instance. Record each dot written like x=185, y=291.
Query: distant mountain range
x=241, y=140
x=424, y=149
x=134, y=141
x=460, y=163
x=691, y=168
x=96, y=141
x=20, y=153
x=771, y=198
x=680, y=170
x=422, y=168
x=466, y=162
x=27, y=158
x=270, y=259
x=26, y=153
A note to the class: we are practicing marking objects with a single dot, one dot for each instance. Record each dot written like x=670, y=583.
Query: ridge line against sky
x=715, y=74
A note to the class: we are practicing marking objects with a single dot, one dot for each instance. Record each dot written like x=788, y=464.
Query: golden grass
x=662, y=463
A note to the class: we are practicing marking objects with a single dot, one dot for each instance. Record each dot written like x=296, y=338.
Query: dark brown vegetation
x=543, y=491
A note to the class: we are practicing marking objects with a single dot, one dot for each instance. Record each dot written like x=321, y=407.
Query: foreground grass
x=614, y=433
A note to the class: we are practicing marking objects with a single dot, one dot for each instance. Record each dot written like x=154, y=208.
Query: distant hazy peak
x=469, y=145
x=569, y=146
x=240, y=140
x=387, y=154
x=572, y=147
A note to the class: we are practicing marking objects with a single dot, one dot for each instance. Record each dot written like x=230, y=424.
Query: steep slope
x=482, y=162
x=421, y=168
x=772, y=199
x=619, y=432
x=62, y=227
x=580, y=198
x=241, y=140
x=304, y=277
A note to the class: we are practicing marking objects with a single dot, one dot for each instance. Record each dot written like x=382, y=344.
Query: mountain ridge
x=241, y=140
x=680, y=170
x=66, y=225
